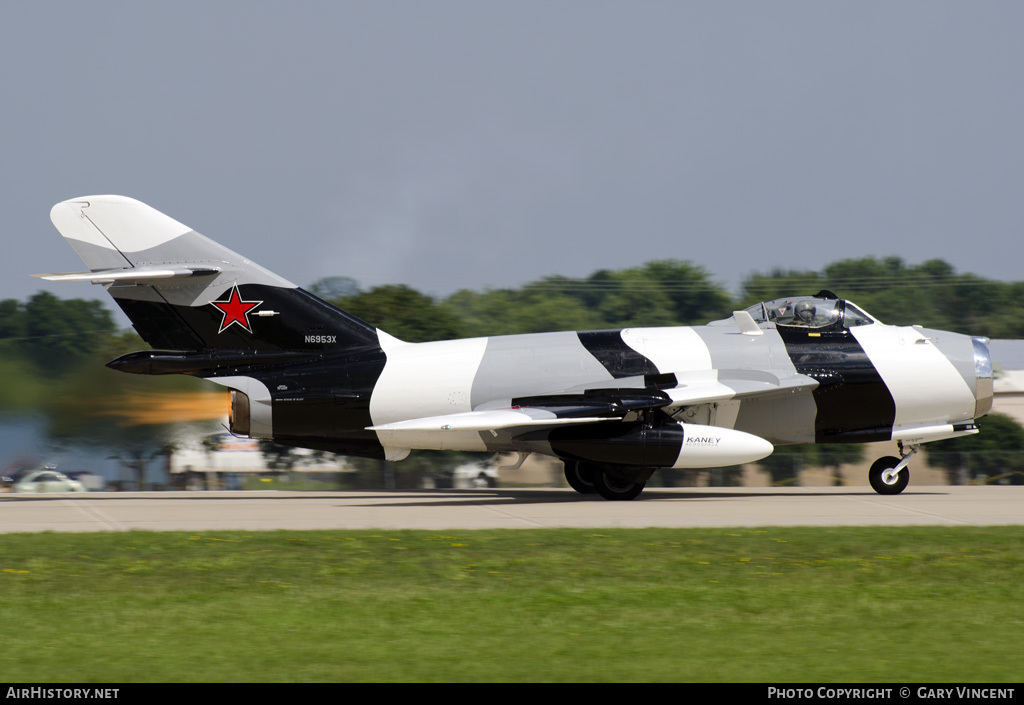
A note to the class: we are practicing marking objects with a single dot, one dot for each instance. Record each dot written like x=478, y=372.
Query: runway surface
x=509, y=509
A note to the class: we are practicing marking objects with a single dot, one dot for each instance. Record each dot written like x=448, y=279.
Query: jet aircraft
x=613, y=405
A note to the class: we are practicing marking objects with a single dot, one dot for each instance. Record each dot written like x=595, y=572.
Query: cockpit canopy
x=823, y=310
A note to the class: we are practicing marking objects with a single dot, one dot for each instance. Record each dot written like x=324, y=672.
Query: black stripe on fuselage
x=854, y=405
x=608, y=348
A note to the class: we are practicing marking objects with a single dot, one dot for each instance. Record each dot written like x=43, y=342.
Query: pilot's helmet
x=803, y=311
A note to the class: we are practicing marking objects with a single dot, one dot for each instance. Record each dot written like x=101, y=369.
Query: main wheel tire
x=580, y=476
x=616, y=486
x=885, y=484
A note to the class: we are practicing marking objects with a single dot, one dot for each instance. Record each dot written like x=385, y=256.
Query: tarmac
x=510, y=509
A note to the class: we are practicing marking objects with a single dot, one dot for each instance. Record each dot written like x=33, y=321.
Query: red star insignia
x=235, y=310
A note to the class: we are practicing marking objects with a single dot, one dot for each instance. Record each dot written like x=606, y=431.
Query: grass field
x=741, y=605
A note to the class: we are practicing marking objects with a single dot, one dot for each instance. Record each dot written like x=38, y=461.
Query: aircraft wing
x=490, y=420
x=544, y=410
x=680, y=389
x=669, y=392
x=582, y=424
x=705, y=387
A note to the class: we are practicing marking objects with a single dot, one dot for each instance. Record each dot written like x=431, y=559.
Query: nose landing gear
x=890, y=475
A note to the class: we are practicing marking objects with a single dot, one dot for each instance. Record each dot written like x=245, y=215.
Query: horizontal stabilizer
x=130, y=274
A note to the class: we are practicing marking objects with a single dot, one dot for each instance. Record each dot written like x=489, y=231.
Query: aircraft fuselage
x=613, y=405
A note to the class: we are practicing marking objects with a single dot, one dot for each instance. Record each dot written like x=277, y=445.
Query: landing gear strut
x=891, y=475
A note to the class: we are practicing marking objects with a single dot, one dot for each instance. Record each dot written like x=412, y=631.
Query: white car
x=47, y=481
x=474, y=476
x=464, y=477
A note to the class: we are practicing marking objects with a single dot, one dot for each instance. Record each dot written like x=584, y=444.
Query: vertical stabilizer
x=183, y=291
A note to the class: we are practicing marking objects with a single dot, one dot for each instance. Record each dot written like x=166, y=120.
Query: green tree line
x=56, y=335
x=674, y=292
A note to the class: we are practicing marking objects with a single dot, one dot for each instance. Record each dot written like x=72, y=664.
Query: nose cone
x=971, y=358
x=982, y=377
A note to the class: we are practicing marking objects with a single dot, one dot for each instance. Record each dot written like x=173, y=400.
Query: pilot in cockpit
x=803, y=313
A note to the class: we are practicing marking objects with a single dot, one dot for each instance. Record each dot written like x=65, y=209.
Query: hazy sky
x=448, y=144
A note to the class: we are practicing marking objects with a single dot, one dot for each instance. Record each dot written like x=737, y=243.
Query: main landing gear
x=580, y=476
x=891, y=475
x=610, y=482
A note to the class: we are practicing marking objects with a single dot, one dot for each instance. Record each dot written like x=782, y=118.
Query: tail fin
x=182, y=291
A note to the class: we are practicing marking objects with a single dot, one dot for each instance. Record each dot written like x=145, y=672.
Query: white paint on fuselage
x=677, y=349
x=923, y=382
x=425, y=379
x=422, y=380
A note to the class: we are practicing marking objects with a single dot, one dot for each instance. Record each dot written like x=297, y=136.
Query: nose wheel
x=890, y=475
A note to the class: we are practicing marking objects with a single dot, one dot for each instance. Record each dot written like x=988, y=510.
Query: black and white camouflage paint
x=308, y=374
